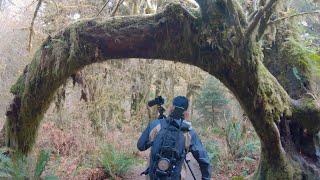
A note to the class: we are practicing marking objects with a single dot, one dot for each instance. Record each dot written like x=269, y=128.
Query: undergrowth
x=115, y=162
x=18, y=166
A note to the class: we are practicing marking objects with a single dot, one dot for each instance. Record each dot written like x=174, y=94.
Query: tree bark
x=220, y=41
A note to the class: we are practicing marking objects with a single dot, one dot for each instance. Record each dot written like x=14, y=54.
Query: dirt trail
x=134, y=174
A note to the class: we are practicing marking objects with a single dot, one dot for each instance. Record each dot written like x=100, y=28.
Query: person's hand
x=186, y=115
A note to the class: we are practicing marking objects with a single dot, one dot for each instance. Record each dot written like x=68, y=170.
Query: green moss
x=237, y=178
x=274, y=166
x=314, y=58
x=18, y=87
x=306, y=111
x=274, y=97
x=297, y=57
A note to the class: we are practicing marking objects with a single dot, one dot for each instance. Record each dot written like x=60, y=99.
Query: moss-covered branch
x=212, y=42
x=170, y=34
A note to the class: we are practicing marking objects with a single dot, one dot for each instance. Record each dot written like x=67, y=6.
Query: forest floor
x=76, y=153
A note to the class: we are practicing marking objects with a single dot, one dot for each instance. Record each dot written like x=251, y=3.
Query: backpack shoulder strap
x=162, y=125
x=153, y=133
x=187, y=140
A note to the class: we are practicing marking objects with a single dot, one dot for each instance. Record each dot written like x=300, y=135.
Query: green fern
x=42, y=161
x=13, y=168
x=214, y=154
x=17, y=167
x=115, y=163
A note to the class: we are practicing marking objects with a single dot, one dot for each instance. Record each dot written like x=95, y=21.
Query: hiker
x=170, y=140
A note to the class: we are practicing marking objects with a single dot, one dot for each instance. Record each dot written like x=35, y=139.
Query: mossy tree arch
x=219, y=40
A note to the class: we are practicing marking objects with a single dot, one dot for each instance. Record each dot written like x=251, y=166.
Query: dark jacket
x=195, y=145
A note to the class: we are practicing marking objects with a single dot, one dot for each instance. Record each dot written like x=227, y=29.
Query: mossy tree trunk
x=219, y=40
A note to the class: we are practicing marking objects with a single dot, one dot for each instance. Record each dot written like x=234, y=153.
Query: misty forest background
x=91, y=128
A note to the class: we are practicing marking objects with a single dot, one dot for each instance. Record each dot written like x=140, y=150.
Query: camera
x=159, y=101
x=156, y=101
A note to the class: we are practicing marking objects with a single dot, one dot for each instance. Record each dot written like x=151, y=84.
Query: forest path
x=135, y=172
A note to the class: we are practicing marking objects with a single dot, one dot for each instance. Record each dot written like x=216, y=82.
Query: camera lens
x=164, y=164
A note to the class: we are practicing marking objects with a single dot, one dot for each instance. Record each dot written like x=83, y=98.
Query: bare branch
x=105, y=4
x=266, y=10
x=31, y=4
x=293, y=16
x=252, y=15
x=264, y=20
x=1, y=4
x=32, y=23
x=116, y=8
x=55, y=5
x=236, y=17
x=12, y=3
x=254, y=23
x=262, y=2
x=84, y=6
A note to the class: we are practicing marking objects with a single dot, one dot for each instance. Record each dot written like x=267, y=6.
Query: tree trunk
x=220, y=41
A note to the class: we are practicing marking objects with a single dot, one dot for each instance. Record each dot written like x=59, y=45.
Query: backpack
x=168, y=149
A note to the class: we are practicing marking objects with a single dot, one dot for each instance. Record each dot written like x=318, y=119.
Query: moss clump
x=314, y=59
x=237, y=178
x=18, y=87
x=306, y=112
x=275, y=99
x=297, y=57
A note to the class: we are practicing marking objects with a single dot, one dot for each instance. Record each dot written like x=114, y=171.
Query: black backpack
x=168, y=149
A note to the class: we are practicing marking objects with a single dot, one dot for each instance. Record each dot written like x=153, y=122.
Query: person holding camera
x=170, y=139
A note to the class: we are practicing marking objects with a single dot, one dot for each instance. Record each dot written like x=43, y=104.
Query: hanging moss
x=172, y=35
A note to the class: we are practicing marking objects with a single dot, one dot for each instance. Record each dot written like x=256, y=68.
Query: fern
x=214, y=154
x=13, y=168
x=42, y=160
x=114, y=162
x=17, y=167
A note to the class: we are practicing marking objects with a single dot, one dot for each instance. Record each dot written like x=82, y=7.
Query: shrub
x=214, y=154
x=42, y=161
x=212, y=96
x=234, y=137
x=250, y=149
x=12, y=168
x=115, y=162
x=18, y=167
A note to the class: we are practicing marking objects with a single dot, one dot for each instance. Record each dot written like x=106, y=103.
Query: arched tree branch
x=170, y=34
x=209, y=42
